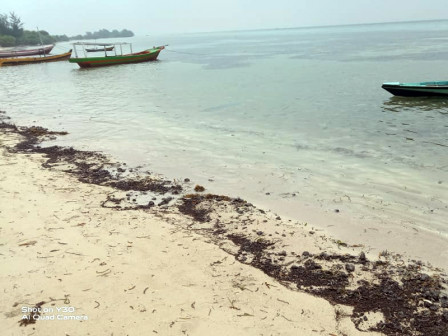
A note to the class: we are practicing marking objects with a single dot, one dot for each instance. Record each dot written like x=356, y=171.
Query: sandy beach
x=98, y=251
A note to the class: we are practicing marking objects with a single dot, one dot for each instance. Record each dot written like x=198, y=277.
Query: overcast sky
x=172, y=16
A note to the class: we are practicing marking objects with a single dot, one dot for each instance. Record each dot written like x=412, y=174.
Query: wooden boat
x=100, y=49
x=26, y=52
x=31, y=60
x=115, y=58
x=423, y=89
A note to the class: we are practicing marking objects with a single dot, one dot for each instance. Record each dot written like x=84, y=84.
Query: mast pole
x=40, y=38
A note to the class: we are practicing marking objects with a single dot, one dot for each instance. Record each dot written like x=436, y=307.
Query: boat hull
x=92, y=62
x=30, y=52
x=425, y=89
x=32, y=60
x=99, y=49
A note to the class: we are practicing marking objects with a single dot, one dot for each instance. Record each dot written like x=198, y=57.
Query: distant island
x=103, y=33
x=12, y=33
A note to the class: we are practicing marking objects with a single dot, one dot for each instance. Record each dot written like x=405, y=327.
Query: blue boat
x=423, y=89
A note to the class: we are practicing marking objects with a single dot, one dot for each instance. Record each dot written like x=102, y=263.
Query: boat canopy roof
x=99, y=43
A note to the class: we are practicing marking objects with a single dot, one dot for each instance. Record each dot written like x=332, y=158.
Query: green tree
x=29, y=38
x=32, y=38
x=126, y=33
x=7, y=40
x=60, y=38
x=4, y=25
x=16, y=25
x=12, y=33
x=103, y=33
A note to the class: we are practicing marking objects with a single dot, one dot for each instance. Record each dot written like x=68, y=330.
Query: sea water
x=289, y=119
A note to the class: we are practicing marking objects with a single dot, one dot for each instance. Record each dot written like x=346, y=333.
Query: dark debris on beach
x=411, y=298
x=32, y=318
x=411, y=301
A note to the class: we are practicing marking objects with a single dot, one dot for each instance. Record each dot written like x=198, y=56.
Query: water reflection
x=417, y=104
x=417, y=124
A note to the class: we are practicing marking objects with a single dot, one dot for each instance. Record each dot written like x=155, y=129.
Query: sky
x=176, y=16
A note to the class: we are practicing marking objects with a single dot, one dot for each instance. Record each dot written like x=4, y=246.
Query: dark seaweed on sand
x=33, y=317
x=412, y=302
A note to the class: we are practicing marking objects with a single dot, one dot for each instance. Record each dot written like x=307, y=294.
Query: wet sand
x=137, y=255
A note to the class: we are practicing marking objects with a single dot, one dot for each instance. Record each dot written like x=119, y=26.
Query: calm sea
x=289, y=119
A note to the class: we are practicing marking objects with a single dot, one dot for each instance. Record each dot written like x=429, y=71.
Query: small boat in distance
x=110, y=48
x=423, y=89
x=31, y=60
x=115, y=58
x=44, y=50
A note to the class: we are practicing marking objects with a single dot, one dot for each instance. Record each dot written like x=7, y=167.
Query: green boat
x=423, y=89
x=113, y=58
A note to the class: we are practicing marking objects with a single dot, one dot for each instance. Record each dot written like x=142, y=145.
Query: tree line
x=13, y=34
x=103, y=33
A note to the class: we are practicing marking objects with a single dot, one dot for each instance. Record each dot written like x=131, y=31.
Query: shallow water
x=294, y=116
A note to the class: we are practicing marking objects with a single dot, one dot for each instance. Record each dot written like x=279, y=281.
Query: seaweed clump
x=199, y=207
x=32, y=318
x=411, y=302
x=256, y=250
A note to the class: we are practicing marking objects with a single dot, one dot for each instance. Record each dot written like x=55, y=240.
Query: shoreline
x=402, y=217
x=380, y=224
x=295, y=255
